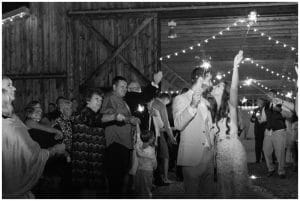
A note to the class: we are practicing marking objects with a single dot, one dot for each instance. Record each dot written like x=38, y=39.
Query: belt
x=270, y=132
x=271, y=129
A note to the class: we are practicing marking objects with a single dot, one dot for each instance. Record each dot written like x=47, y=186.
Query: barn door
x=104, y=47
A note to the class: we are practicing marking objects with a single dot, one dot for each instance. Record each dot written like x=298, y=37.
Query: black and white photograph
x=150, y=100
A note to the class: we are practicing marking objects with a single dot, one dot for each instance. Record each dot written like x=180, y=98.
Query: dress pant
x=117, y=161
x=259, y=139
x=199, y=180
x=275, y=140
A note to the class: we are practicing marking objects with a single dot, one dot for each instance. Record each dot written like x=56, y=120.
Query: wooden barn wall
x=49, y=42
x=89, y=53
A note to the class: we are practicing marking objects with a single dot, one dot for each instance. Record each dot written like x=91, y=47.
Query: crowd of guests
x=276, y=132
x=87, y=151
x=115, y=144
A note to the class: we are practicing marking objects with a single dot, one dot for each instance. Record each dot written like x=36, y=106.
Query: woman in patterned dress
x=89, y=145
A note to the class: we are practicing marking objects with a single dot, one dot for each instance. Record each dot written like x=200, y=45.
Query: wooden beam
x=164, y=65
x=37, y=76
x=120, y=48
x=184, y=8
x=87, y=23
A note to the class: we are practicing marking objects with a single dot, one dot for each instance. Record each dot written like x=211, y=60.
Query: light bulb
x=219, y=76
x=270, y=38
x=191, y=47
x=176, y=54
x=199, y=44
x=262, y=34
x=248, y=82
x=252, y=17
x=183, y=51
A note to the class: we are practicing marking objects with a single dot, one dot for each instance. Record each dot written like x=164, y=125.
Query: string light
x=276, y=41
x=205, y=41
x=289, y=94
x=22, y=13
x=268, y=70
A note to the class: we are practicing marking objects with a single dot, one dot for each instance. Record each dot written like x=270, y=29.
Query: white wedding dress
x=231, y=161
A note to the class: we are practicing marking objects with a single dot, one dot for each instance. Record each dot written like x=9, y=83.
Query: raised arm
x=235, y=80
x=33, y=124
x=233, y=98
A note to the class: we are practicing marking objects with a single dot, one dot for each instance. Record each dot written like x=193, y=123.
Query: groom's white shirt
x=191, y=123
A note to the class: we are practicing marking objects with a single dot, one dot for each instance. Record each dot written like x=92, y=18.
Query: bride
x=230, y=157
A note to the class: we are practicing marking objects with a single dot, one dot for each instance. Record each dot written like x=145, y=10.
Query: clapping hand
x=157, y=77
x=276, y=101
x=134, y=120
x=173, y=140
x=120, y=117
x=58, y=135
x=237, y=59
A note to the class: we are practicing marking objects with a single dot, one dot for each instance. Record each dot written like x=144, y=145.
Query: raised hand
x=134, y=120
x=238, y=58
x=157, y=77
x=196, y=99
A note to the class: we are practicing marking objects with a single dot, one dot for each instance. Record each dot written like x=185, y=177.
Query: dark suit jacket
x=133, y=99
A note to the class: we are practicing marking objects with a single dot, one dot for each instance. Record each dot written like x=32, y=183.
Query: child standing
x=145, y=152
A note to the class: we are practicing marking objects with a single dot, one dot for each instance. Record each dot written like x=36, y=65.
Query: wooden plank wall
x=50, y=42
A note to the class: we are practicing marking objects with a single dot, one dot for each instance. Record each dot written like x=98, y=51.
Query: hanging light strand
x=268, y=89
x=270, y=71
x=277, y=42
x=213, y=37
x=14, y=17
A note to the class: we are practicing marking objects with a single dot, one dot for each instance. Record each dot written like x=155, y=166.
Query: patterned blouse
x=65, y=125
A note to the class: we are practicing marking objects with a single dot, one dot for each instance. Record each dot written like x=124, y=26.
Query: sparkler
x=244, y=100
x=140, y=108
x=252, y=18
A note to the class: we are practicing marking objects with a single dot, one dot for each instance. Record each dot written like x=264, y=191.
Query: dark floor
x=264, y=187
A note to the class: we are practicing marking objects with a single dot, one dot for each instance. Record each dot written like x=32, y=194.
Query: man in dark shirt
x=137, y=99
x=274, y=115
x=259, y=129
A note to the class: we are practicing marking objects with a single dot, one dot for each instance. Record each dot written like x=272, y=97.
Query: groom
x=195, y=154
